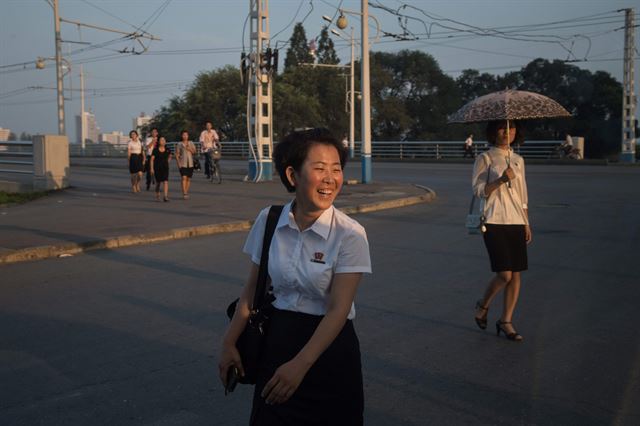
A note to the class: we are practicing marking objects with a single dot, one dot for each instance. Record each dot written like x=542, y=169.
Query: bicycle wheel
x=218, y=175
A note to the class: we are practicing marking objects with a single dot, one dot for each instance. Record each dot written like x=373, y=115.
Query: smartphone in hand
x=232, y=379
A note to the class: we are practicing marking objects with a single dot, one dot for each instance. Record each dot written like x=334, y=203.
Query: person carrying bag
x=251, y=341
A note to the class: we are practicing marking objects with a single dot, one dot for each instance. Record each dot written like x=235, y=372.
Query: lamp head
x=334, y=31
x=40, y=63
x=327, y=18
x=342, y=22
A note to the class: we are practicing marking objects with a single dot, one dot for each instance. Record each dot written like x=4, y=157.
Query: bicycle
x=212, y=160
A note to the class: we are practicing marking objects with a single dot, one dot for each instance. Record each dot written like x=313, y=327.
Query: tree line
x=411, y=98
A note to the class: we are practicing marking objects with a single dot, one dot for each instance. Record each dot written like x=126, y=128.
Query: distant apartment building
x=141, y=121
x=88, y=133
x=114, y=138
x=4, y=134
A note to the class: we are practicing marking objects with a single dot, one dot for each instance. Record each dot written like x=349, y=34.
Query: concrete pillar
x=50, y=162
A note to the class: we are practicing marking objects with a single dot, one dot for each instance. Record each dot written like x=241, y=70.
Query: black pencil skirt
x=330, y=394
x=507, y=247
x=135, y=163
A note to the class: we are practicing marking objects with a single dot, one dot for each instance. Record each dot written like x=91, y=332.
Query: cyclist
x=210, y=143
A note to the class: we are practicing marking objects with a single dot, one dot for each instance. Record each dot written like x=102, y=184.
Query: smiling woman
x=310, y=368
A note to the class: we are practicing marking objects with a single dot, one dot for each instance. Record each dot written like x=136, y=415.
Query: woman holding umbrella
x=499, y=177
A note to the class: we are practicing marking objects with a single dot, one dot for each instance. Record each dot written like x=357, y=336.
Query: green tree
x=326, y=49
x=472, y=84
x=294, y=109
x=12, y=136
x=298, y=51
x=171, y=119
x=427, y=95
x=323, y=92
x=216, y=96
x=593, y=100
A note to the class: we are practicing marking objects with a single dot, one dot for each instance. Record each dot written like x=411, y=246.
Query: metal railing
x=16, y=154
x=406, y=150
x=399, y=150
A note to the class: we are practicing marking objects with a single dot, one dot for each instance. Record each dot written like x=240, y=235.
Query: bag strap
x=263, y=272
x=473, y=197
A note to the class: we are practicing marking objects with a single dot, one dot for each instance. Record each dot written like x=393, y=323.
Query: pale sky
x=201, y=35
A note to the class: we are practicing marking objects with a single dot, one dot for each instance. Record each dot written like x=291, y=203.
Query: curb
x=63, y=250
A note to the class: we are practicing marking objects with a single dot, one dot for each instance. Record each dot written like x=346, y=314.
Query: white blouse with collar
x=302, y=264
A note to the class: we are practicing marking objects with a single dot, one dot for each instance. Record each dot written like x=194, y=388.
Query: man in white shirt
x=209, y=141
x=468, y=144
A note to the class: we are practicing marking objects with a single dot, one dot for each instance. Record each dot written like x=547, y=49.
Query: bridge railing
x=398, y=150
x=16, y=157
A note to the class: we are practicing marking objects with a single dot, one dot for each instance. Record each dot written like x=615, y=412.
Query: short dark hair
x=133, y=131
x=492, y=131
x=294, y=148
x=183, y=132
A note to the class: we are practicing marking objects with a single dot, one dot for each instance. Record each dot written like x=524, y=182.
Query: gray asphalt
x=131, y=336
x=99, y=205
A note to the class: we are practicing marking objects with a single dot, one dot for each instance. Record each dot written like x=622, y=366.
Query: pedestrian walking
x=499, y=177
x=209, y=141
x=468, y=147
x=150, y=144
x=310, y=369
x=160, y=158
x=135, y=158
x=185, y=150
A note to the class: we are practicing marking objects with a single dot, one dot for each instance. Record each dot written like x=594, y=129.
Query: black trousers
x=147, y=169
x=331, y=393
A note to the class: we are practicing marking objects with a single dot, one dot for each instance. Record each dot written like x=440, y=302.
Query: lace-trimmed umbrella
x=508, y=105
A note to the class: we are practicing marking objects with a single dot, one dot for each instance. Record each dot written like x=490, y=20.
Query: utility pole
x=59, y=74
x=366, y=94
x=83, y=127
x=260, y=112
x=628, y=153
x=59, y=59
x=352, y=107
x=365, y=87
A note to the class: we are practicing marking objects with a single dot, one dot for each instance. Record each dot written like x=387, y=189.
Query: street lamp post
x=366, y=95
x=351, y=94
x=365, y=89
x=352, y=106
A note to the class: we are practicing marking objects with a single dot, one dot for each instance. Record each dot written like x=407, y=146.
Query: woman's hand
x=527, y=234
x=229, y=357
x=508, y=174
x=284, y=382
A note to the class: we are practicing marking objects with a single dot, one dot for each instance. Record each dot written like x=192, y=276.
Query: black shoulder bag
x=251, y=341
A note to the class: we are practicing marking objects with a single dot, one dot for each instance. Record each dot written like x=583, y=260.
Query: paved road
x=131, y=336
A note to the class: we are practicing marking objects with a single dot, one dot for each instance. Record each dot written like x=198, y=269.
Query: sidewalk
x=99, y=211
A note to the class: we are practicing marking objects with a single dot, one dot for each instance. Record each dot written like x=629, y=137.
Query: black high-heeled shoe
x=482, y=321
x=515, y=336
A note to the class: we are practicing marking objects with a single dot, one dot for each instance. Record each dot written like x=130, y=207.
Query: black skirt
x=331, y=392
x=186, y=171
x=507, y=247
x=161, y=172
x=135, y=163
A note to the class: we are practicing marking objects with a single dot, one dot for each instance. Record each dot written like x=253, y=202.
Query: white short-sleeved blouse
x=135, y=147
x=302, y=264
